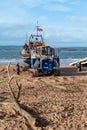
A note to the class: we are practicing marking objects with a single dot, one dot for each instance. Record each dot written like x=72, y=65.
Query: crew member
x=17, y=68
x=78, y=66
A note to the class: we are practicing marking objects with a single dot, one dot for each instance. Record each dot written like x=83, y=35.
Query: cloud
x=52, y=5
x=59, y=19
x=75, y=3
x=32, y=3
x=81, y=18
x=69, y=30
x=57, y=8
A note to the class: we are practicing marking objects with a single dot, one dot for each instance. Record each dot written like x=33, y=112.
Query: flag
x=39, y=29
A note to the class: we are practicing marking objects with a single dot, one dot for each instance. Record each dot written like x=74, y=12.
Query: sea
x=11, y=54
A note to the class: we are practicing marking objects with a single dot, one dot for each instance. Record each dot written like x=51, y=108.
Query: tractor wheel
x=36, y=73
x=31, y=74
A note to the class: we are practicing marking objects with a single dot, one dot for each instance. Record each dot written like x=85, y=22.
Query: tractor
x=41, y=59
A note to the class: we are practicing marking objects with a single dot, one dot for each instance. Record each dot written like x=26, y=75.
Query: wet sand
x=58, y=102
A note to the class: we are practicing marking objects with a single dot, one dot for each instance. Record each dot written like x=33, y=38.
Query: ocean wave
x=11, y=54
x=67, y=61
x=11, y=61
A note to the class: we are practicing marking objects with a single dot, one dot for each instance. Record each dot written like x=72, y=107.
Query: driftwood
x=31, y=120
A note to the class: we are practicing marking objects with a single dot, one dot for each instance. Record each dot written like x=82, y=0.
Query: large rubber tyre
x=36, y=73
x=31, y=74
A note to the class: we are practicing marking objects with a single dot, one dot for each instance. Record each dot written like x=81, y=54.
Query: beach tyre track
x=53, y=84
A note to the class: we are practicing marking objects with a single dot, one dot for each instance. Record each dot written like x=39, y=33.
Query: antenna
x=37, y=27
x=26, y=37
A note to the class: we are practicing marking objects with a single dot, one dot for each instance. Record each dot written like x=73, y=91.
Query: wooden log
x=31, y=120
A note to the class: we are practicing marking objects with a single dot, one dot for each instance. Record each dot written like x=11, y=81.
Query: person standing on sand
x=78, y=66
x=17, y=68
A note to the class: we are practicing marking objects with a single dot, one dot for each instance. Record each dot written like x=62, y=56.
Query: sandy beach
x=58, y=102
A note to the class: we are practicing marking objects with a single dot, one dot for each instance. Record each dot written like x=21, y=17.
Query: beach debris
x=31, y=120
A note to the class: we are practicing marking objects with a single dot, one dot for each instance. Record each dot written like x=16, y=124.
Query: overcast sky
x=64, y=21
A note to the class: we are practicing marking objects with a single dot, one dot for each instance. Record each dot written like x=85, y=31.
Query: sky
x=64, y=22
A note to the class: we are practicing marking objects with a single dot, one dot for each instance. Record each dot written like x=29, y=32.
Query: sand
x=58, y=102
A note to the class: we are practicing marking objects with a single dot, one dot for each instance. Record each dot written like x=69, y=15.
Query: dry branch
x=19, y=88
x=31, y=120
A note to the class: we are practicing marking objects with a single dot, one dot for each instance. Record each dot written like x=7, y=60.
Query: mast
x=37, y=28
x=38, y=35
